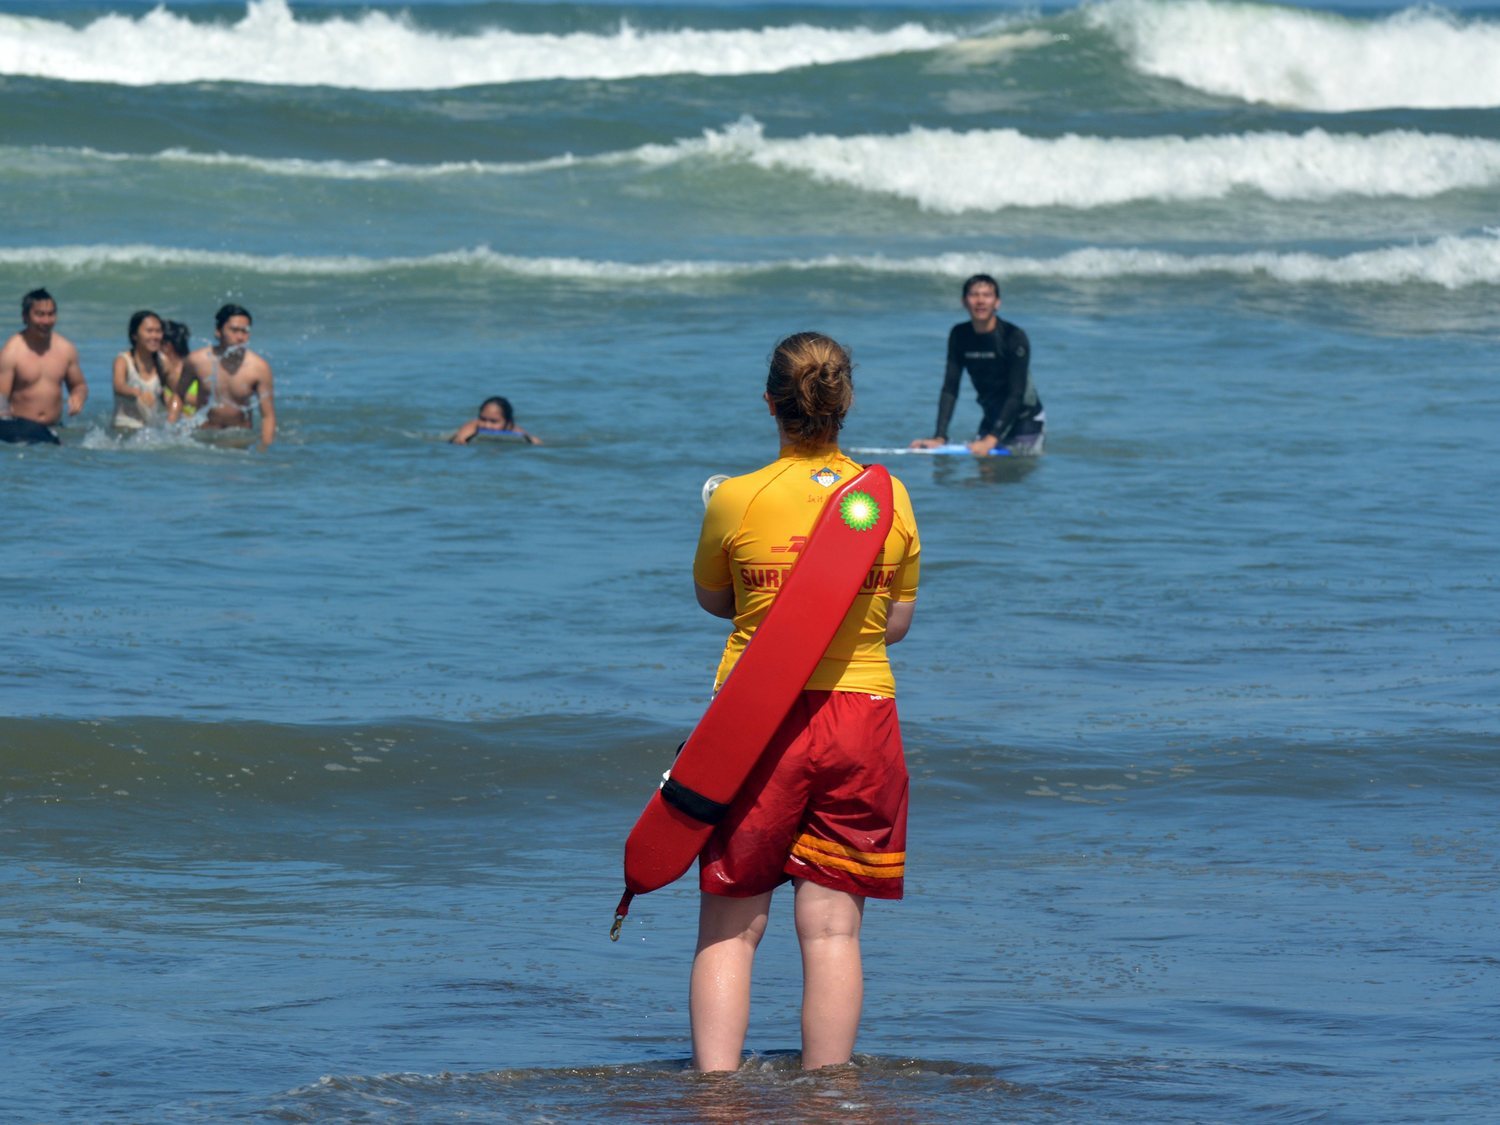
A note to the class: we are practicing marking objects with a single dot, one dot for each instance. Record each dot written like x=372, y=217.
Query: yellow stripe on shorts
x=825, y=853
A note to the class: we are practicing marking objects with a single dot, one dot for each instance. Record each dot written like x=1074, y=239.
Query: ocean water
x=316, y=764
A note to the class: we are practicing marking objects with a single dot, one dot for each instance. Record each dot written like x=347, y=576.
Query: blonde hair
x=811, y=385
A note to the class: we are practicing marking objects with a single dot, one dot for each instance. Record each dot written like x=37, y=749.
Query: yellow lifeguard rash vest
x=752, y=531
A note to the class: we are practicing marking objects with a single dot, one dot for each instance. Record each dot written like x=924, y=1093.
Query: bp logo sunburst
x=859, y=511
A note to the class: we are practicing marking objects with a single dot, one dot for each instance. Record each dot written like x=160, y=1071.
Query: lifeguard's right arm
x=713, y=584
x=720, y=603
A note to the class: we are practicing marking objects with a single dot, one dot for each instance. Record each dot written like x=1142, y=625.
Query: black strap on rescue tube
x=696, y=805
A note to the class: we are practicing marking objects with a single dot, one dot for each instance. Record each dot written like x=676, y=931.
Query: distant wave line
x=1422, y=57
x=379, y=51
x=378, y=168
x=1004, y=168
x=1452, y=262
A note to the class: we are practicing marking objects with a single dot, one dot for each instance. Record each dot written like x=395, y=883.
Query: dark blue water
x=318, y=762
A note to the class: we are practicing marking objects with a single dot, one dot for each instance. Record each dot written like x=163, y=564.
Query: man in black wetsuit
x=997, y=356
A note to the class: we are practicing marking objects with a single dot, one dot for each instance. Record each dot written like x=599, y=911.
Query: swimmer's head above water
x=139, y=320
x=39, y=313
x=175, y=334
x=496, y=413
x=232, y=326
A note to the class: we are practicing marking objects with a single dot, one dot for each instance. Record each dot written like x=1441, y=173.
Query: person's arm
x=720, y=603
x=465, y=433
x=952, y=372
x=190, y=382
x=7, y=379
x=898, y=621
x=119, y=378
x=908, y=571
x=531, y=439
x=266, y=386
x=78, y=387
x=713, y=581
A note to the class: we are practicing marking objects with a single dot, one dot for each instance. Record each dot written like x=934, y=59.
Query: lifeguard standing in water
x=825, y=806
x=234, y=380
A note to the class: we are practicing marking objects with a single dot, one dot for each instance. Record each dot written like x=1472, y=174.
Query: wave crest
x=1421, y=58
x=1451, y=263
x=1004, y=168
x=376, y=51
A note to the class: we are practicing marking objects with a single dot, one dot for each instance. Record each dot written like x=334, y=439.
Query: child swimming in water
x=497, y=419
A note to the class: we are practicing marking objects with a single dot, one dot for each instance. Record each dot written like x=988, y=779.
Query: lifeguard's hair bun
x=811, y=384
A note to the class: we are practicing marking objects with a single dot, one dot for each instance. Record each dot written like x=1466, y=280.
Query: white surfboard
x=952, y=450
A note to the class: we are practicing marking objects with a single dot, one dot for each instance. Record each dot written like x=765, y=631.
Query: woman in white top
x=139, y=392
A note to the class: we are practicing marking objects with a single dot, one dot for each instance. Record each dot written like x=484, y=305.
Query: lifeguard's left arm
x=898, y=621
x=904, y=587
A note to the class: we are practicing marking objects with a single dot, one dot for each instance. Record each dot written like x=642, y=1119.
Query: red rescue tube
x=713, y=764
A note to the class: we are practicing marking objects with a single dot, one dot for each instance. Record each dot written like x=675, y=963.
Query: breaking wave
x=1450, y=262
x=376, y=51
x=1422, y=57
x=1005, y=168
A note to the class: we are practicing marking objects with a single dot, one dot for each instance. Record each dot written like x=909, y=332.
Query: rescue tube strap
x=696, y=805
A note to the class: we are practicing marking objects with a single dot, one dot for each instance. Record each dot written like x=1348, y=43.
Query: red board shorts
x=826, y=802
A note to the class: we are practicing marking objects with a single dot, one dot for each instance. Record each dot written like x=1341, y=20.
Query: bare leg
x=729, y=929
x=833, y=985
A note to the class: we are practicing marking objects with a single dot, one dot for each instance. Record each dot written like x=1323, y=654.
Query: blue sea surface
x=318, y=761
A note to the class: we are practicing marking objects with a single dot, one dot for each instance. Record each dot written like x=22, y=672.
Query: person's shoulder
x=899, y=495
x=903, y=516
x=737, y=493
x=740, y=488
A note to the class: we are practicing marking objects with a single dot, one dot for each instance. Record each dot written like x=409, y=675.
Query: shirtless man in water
x=233, y=377
x=35, y=364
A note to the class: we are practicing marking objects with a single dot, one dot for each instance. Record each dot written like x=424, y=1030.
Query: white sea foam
x=1422, y=57
x=1003, y=168
x=377, y=51
x=1452, y=262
